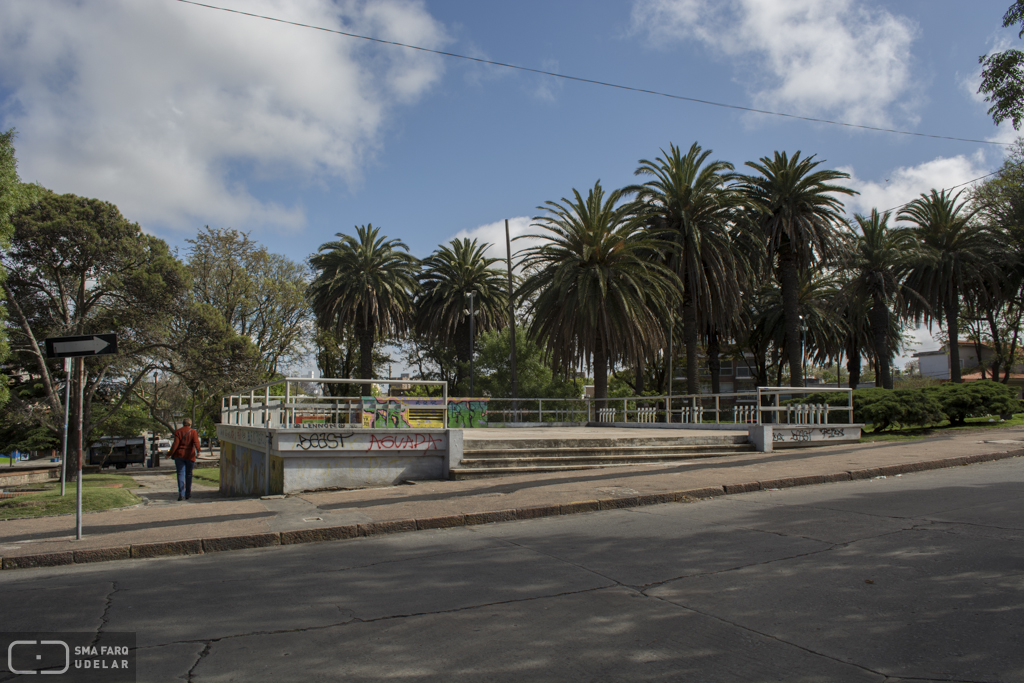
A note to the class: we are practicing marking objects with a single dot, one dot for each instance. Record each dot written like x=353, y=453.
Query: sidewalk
x=209, y=523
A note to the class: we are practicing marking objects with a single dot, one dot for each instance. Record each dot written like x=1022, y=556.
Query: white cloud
x=836, y=58
x=494, y=234
x=163, y=107
x=907, y=183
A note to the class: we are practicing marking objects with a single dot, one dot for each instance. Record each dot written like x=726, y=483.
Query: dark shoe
x=188, y=497
x=181, y=497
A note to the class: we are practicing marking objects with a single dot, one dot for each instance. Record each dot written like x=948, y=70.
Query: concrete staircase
x=502, y=457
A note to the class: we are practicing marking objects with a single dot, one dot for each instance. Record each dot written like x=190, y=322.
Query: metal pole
x=64, y=442
x=472, y=338
x=78, y=438
x=511, y=324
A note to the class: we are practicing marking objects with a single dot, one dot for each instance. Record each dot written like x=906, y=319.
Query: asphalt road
x=918, y=577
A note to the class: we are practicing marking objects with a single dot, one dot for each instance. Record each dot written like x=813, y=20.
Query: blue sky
x=186, y=116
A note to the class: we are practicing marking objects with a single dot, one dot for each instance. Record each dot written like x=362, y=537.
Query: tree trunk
x=789, y=281
x=714, y=362
x=690, y=338
x=639, y=388
x=853, y=362
x=954, y=346
x=600, y=372
x=365, y=336
x=878, y=317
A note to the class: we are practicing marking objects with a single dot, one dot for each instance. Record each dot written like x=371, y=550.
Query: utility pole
x=511, y=324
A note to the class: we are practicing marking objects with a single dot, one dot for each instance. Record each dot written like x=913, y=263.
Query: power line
x=946, y=189
x=591, y=81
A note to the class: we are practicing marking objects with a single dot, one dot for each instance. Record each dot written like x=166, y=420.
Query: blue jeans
x=184, y=469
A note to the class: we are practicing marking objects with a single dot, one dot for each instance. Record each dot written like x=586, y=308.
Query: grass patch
x=99, y=492
x=208, y=476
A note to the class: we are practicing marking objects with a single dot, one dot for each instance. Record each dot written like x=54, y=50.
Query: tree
x=689, y=204
x=957, y=255
x=799, y=217
x=260, y=295
x=592, y=288
x=77, y=266
x=442, y=306
x=877, y=265
x=997, y=313
x=535, y=378
x=366, y=281
x=11, y=196
x=1002, y=75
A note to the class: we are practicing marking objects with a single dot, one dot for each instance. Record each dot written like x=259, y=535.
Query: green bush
x=924, y=406
x=902, y=407
x=974, y=399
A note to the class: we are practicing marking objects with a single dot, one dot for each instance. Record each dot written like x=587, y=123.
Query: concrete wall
x=303, y=459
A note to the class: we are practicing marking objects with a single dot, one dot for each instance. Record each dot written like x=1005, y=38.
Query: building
x=935, y=364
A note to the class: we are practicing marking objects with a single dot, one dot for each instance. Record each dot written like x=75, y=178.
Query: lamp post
x=472, y=336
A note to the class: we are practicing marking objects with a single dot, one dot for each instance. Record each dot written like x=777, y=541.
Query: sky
x=186, y=116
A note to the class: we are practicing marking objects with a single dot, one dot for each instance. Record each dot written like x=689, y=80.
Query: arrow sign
x=88, y=345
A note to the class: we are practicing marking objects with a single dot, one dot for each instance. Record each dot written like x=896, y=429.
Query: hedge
x=921, y=407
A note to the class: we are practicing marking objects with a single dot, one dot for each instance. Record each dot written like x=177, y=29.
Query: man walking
x=184, y=452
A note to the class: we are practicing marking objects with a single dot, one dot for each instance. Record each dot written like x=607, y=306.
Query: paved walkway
x=210, y=523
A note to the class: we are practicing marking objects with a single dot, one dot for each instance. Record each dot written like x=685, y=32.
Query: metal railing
x=263, y=406
x=288, y=406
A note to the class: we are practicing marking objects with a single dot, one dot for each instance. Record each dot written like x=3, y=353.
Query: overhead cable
x=592, y=81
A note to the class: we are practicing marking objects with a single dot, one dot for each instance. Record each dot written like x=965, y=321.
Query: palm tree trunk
x=853, y=362
x=878, y=317
x=639, y=388
x=690, y=338
x=714, y=362
x=600, y=372
x=789, y=280
x=365, y=336
x=954, y=345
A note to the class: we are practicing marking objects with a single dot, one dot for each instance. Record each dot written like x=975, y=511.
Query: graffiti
x=832, y=433
x=800, y=435
x=466, y=413
x=778, y=436
x=322, y=440
x=391, y=416
x=410, y=442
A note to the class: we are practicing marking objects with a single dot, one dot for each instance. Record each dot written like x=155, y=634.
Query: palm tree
x=366, y=281
x=823, y=329
x=877, y=264
x=957, y=256
x=799, y=216
x=689, y=204
x=592, y=287
x=448, y=276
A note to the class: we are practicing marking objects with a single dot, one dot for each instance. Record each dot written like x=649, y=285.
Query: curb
x=337, y=533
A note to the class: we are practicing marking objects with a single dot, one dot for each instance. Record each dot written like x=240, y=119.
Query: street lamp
x=472, y=336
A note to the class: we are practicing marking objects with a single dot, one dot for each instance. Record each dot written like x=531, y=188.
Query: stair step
x=476, y=445
x=606, y=450
x=459, y=473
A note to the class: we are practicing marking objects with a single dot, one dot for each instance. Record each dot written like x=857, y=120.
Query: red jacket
x=186, y=444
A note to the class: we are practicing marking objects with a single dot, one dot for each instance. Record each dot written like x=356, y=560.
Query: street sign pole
x=67, y=407
x=78, y=439
x=78, y=347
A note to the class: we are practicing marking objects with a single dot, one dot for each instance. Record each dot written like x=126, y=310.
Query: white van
x=163, y=446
